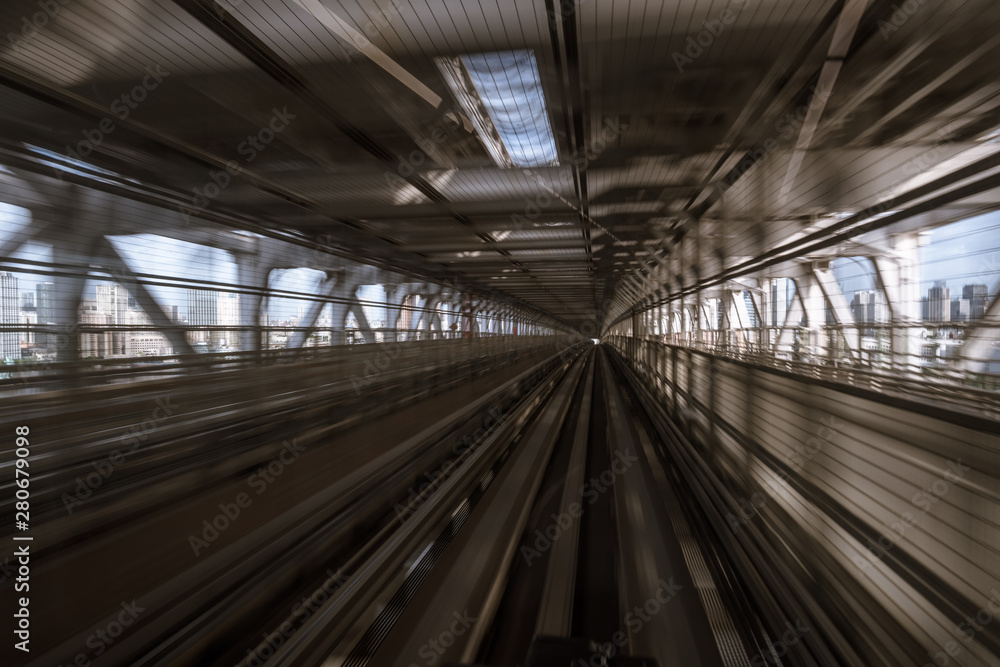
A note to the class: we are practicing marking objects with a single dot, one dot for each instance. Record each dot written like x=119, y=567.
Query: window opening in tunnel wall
x=868, y=310
x=288, y=309
x=372, y=299
x=18, y=288
x=959, y=284
x=409, y=317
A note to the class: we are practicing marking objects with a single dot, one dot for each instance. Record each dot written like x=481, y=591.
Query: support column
x=787, y=337
x=841, y=311
x=67, y=290
x=338, y=317
x=253, y=271
x=898, y=276
x=124, y=275
x=982, y=341
x=359, y=314
x=327, y=288
x=394, y=297
x=814, y=304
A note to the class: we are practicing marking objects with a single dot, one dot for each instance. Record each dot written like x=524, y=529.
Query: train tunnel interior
x=500, y=333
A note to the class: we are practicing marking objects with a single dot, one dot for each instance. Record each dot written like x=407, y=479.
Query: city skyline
x=959, y=255
x=964, y=252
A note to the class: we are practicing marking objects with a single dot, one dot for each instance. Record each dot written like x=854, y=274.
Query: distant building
x=45, y=308
x=208, y=308
x=113, y=302
x=203, y=307
x=10, y=314
x=203, y=311
x=869, y=307
x=959, y=310
x=939, y=303
x=98, y=343
x=45, y=301
x=978, y=298
x=29, y=318
x=28, y=301
x=229, y=316
x=148, y=343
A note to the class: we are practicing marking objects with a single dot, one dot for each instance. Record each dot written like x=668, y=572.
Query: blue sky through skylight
x=510, y=88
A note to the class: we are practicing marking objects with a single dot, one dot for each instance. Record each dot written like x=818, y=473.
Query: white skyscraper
x=113, y=303
x=229, y=316
x=939, y=303
x=113, y=300
x=45, y=310
x=870, y=306
x=202, y=311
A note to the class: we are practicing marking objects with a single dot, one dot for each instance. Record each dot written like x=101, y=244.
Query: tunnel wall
x=887, y=497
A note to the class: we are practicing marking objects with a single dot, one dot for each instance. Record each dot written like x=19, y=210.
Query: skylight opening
x=502, y=94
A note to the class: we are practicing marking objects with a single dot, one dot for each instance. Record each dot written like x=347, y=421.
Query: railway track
x=548, y=548
x=319, y=527
x=562, y=516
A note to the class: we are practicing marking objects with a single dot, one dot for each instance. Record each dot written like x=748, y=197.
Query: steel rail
x=555, y=613
x=183, y=456
x=779, y=596
x=220, y=573
x=648, y=564
x=472, y=574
